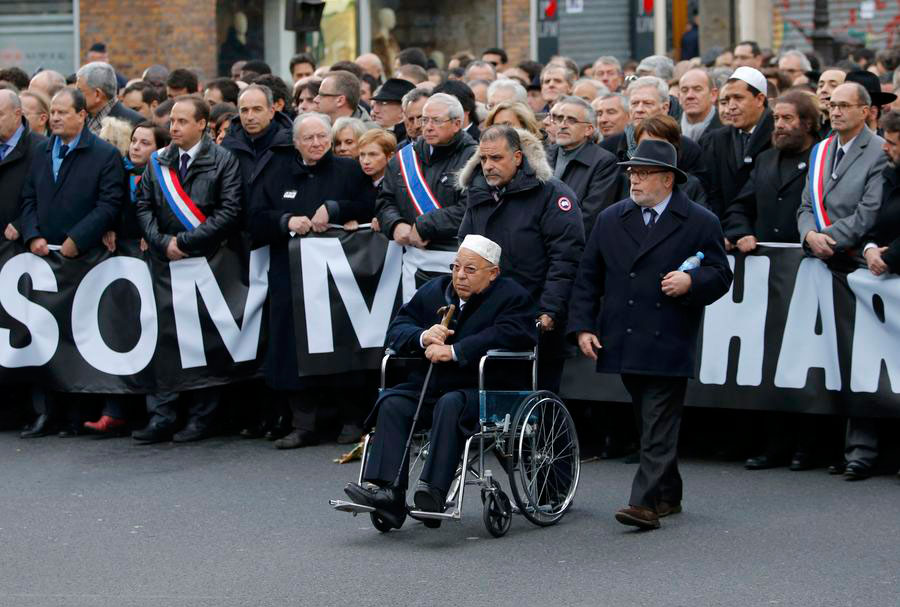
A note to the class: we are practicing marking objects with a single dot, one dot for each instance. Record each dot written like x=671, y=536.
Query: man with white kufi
x=491, y=312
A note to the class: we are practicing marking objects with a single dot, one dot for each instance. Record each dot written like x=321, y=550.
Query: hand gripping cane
x=448, y=312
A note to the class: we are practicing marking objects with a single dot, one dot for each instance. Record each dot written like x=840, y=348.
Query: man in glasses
x=580, y=163
x=418, y=204
x=637, y=315
x=339, y=96
x=492, y=312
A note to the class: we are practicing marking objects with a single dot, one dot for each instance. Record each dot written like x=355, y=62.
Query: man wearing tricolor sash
x=843, y=191
x=419, y=204
x=188, y=204
x=840, y=204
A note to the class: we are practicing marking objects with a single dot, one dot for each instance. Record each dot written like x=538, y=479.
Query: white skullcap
x=751, y=76
x=488, y=249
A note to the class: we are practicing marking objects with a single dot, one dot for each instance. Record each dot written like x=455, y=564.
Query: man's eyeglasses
x=323, y=94
x=843, y=107
x=641, y=174
x=426, y=120
x=467, y=270
x=559, y=119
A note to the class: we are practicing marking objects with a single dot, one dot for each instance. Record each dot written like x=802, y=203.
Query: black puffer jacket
x=213, y=182
x=439, y=168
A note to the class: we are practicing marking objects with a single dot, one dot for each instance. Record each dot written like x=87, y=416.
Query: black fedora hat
x=393, y=90
x=870, y=82
x=655, y=153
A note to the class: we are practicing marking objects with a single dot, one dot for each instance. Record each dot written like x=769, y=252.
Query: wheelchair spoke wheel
x=497, y=512
x=545, y=458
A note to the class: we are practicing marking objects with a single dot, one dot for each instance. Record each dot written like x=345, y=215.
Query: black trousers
x=203, y=404
x=658, y=403
x=453, y=418
x=312, y=408
x=862, y=440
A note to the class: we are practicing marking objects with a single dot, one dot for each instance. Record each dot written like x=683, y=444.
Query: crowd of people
x=528, y=155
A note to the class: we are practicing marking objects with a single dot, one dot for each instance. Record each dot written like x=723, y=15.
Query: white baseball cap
x=751, y=76
x=486, y=248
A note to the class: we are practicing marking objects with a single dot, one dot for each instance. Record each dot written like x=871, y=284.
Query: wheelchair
x=530, y=432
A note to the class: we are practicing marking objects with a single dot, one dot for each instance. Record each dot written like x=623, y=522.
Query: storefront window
x=37, y=35
x=439, y=27
x=338, y=33
x=239, y=27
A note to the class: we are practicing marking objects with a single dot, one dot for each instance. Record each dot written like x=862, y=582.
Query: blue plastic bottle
x=691, y=262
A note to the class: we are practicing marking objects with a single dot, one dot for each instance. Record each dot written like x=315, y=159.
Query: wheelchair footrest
x=434, y=516
x=351, y=507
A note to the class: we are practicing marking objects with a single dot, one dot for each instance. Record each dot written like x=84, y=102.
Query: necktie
x=182, y=171
x=650, y=216
x=3, y=148
x=837, y=159
x=63, y=150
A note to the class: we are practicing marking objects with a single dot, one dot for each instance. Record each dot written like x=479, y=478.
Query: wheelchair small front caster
x=497, y=511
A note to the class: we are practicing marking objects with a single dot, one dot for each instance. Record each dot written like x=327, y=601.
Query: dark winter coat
x=886, y=232
x=13, y=171
x=593, y=176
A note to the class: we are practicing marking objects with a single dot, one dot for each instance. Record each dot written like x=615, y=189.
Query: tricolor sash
x=419, y=192
x=817, y=172
x=179, y=202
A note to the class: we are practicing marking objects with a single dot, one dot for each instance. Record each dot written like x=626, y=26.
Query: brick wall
x=516, y=30
x=139, y=33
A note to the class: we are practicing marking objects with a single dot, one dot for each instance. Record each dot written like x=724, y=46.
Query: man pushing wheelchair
x=492, y=313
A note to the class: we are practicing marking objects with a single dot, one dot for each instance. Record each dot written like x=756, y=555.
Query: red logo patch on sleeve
x=564, y=204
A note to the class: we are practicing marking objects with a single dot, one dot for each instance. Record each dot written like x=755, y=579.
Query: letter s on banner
x=86, y=316
x=39, y=322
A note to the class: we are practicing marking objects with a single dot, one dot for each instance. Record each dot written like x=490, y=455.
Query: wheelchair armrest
x=527, y=355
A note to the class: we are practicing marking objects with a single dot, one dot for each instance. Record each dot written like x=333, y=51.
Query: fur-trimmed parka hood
x=532, y=149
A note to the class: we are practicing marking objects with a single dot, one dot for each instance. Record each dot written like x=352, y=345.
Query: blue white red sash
x=419, y=192
x=181, y=204
x=817, y=172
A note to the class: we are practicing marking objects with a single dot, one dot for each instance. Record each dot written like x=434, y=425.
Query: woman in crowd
x=290, y=202
x=515, y=114
x=345, y=136
x=305, y=95
x=221, y=116
x=145, y=139
x=376, y=148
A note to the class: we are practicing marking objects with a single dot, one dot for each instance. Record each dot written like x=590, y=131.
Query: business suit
x=728, y=163
x=592, y=174
x=767, y=204
x=501, y=316
x=648, y=337
x=852, y=192
x=13, y=172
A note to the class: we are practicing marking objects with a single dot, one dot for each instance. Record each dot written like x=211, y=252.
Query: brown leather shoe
x=664, y=509
x=638, y=516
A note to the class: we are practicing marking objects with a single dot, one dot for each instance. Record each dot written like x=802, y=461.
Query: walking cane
x=445, y=322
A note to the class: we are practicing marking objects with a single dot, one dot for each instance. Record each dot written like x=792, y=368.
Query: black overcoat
x=83, y=203
x=642, y=330
x=331, y=179
x=886, y=232
x=593, y=176
x=13, y=171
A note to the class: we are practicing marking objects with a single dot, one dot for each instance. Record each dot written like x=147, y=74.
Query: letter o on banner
x=86, y=321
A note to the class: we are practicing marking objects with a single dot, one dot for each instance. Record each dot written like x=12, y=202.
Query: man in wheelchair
x=493, y=313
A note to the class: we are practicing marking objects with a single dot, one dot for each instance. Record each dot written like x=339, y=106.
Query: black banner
x=129, y=323
x=791, y=335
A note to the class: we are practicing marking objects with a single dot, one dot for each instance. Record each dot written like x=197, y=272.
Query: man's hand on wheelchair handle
x=547, y=323
x=437, y=335
x=588, y=344
x=439, y=353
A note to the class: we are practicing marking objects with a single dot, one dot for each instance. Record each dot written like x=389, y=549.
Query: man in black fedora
x=869, y=81
x=636, y=310
x=387, y=110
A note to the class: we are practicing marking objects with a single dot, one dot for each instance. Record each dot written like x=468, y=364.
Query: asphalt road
x=86, y=522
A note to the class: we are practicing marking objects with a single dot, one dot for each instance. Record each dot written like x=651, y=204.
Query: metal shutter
x=602, y=28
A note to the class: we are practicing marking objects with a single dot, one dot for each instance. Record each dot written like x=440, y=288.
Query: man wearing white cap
x=730, y=151
x=492, y=312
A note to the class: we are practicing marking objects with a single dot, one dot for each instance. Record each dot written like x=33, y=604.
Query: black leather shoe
x=192, y=433
x=71, y=429
x=762, y=462
x=802, y=461
x=350, y=435
x=280, y=429
x=389, y=502
x=428, y=498
x=856, y=471
x=40, y=427
x=297, y=439
x=154, y=433
x=836, y=469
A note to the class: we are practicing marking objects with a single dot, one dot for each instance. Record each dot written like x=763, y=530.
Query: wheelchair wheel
x=545, y=463
x=379, y=523
x=497, y=511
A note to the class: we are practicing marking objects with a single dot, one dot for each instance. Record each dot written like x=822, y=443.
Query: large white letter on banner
x=39, y=322
x=194, y=274
x=801, y=348
x=86, y=317
x=421, y=259
x=745, y=320
x=318, y=256
x=873, y=340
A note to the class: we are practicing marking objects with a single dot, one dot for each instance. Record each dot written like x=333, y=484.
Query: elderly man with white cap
x=492, y=312
x=730, y=152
